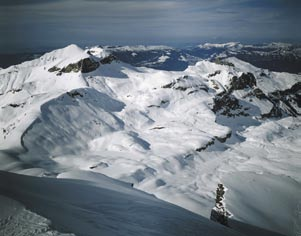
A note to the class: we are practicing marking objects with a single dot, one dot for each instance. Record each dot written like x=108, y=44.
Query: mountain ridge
x=170, y=133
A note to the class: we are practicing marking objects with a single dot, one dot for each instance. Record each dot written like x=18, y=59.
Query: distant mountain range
x=275, y=56
x=281, y=57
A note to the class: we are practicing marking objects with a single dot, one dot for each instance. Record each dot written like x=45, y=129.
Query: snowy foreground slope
x=173, y=134
x=97, y=205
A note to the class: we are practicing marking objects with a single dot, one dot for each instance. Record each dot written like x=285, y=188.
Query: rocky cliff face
x=285, y=102
x=85, y=65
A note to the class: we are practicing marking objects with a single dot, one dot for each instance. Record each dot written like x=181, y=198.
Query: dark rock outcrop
x=274, y=112
x=219, y=213
x=74, y=94
x=53, y=69
x=14, y=105
x=220, y=61
x=244, y=81
x=108, y=60
x=228, y=105
x=214, y=74
x=285, y=102
x=88, y=65
x=182, y=85
x=85, y=65
x=224, y=138
x=170, y=85
x=211, y=142
x=259, y=93
x=15, y=90
x=290, y=99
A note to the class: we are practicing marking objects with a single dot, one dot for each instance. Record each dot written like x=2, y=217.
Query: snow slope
x=175, y=134
x=15, y=219
x=28, y=86
x=94, y=205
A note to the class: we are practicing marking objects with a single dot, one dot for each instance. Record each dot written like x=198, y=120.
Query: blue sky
x=33, y=25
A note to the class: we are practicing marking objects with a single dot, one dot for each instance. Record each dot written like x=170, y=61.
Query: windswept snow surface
x=166, y=132
x=90, y=204
x=15, y=219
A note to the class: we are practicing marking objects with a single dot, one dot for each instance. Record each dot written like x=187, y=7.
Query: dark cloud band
x=32, y=24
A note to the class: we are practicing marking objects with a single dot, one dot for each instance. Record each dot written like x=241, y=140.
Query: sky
x=38, y=25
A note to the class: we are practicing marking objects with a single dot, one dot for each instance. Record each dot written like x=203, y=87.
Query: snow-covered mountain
x=174, y=134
